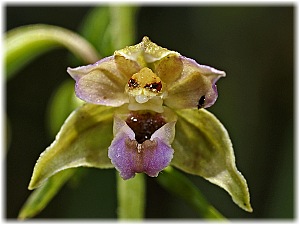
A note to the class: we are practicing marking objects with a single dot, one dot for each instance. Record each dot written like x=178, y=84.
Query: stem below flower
x=131, y=197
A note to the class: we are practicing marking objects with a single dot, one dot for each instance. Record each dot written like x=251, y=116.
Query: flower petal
x=126, y=66
x=121, y=156
x=161, y=158
x=209, y=153
x=150, y=157
x=146, y=52
x=169, y=68
x=195, y=88
x=82, y=141
x=100, y=83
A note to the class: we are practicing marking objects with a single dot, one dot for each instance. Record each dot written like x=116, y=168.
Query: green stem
x=26, y=43
x=131, y=197
x=131, y=193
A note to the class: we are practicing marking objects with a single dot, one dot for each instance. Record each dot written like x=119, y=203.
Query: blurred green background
x=253, y=44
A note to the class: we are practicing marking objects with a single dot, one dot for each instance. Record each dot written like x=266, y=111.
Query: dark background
x=253, y=44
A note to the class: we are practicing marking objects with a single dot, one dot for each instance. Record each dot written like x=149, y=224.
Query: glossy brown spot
x=201, y=102
x=144, y=124
x=132, y=83
x=155, y=87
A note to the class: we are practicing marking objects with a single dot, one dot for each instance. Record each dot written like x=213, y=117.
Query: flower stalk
x=131, y=197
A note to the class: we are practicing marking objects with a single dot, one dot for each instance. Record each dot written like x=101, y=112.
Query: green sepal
x=203, y=147
x=83, y=140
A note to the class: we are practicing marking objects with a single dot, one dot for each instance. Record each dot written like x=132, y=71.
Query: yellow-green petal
x=195, y=87
x=145, y=52
x=83, y=140
x=203, y=147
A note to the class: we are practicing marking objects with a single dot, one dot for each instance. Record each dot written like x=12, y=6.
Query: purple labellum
x=149, y=154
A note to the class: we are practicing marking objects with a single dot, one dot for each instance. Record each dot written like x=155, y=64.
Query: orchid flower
x=147, y=81
x=145, y=111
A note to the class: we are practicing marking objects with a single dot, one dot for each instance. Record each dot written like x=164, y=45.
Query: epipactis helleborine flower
x=146, y=82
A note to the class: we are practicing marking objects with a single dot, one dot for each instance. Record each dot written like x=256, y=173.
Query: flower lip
x=142, y=141
x=150, y=156
x=144, y=124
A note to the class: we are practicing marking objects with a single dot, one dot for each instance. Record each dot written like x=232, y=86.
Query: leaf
x=83, y=140
x=181, y=186
x=62, y=103
x=23, y=44
x=122, y=26
x=203, y=147
x=131, y=197
x=40, y=197
x=109, y=28
x=95, y=28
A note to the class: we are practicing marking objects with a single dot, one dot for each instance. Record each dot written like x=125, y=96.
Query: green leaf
x=131, y=197
x=25, y=43
x=203, y=147
x=122, y=25
x=40, y=197
x=181, y=186
x=62, y=103
x=109, y=28
x=95, y=28
x=83, y=140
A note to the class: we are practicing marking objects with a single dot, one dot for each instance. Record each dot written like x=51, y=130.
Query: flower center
x=144, y=85
x=144, y=124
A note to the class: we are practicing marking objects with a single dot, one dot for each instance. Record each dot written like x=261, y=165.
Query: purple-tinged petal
x=130, y=157
x=100, y=83
x=122, y=153
x=157, y=155
x=156, y=161
x=195, y=88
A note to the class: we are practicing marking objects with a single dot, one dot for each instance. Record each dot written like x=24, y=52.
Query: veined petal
x=150, y=157
x=126, y=66
x=195, y=88
x=100, y=83
x=169, y=68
